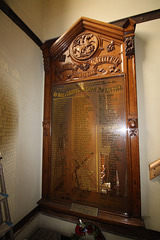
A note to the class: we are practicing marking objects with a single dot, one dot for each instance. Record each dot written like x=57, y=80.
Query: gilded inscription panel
x=89, y=162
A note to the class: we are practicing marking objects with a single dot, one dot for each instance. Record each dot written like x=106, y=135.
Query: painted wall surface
x=32, y=13
x=21, y=91
x=62, y=14
x=148, y=87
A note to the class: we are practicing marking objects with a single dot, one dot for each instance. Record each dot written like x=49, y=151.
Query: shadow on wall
x=8, y=124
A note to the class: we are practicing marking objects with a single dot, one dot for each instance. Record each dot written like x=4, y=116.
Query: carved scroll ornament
x=46, y=57
x=129, y=46
x=95, y=66
x=110, y=47
x=46, y=64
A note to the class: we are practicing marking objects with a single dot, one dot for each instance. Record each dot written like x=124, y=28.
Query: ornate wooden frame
x=58, y=52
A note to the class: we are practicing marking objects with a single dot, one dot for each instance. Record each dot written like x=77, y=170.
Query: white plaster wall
x=62, y=14
x=21, y=83
x=32, y=13
x=148, y=87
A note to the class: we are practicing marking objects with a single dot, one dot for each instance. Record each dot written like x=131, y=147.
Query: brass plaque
x=154, y=169
x=89, y=162
x=91, y=211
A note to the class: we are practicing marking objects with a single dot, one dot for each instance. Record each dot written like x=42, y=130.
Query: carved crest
x=84, y=46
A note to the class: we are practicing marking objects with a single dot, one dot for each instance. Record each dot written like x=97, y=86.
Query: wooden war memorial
x=90, y=127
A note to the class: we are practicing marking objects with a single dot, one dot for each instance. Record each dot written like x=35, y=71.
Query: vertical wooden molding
x=133, y=137
x=46, y=122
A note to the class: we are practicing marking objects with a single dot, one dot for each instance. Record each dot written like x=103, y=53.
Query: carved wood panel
x=94, y=58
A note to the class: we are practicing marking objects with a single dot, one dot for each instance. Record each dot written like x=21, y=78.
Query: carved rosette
x=129, y=45
x=84, y=46
x=46, y=127
x=133, y=126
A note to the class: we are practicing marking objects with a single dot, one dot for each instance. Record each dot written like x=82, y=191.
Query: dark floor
x=44, y=234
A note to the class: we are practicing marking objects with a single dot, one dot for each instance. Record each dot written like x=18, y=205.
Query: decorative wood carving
x=62, y=58
x=46, y=64
x=90, y=68
x=129, y=45
x=46, y=57
x=133, y=125
x=46, y=127
x=84, y=46
x=111, y=46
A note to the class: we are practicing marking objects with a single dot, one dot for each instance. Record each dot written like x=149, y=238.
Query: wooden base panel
x=112, y=223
